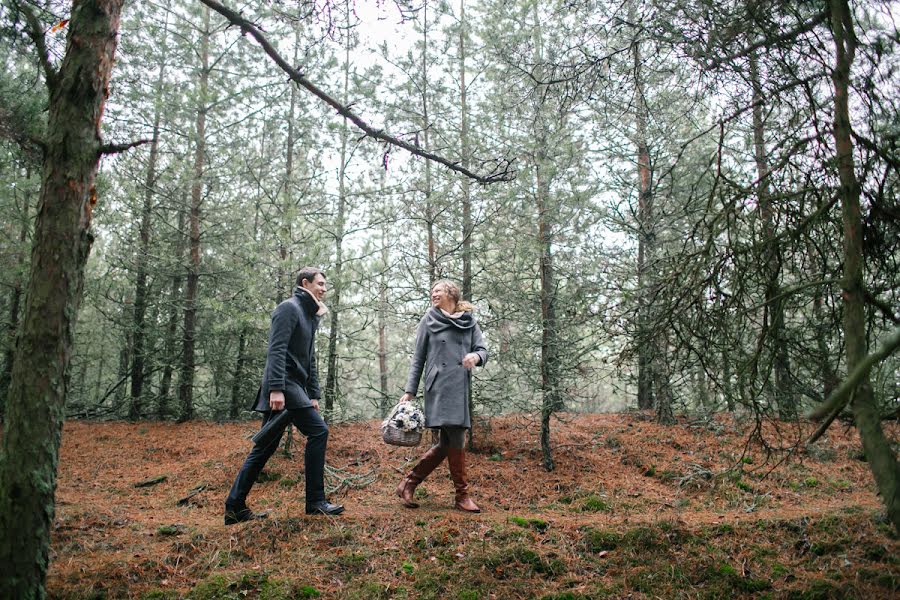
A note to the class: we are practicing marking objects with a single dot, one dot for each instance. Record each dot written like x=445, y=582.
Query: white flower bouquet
x=404, y=425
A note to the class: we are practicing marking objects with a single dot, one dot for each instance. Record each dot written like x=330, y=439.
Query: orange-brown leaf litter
x=633, y=509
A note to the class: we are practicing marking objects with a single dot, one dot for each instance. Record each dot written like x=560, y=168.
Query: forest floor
x=632, y=510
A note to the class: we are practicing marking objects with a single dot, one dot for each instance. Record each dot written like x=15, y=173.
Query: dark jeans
x=310, y=423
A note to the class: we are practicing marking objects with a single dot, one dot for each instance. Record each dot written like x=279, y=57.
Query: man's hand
x=315, y=404
x=407, y=397
x=471, y=360
x=276, y=400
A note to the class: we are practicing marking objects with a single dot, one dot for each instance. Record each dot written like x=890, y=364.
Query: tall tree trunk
x=15, y=305
x=123, y=370
x=62, y=241
x=236, y=382
x=467, y=227
x=551, y=400
x=430, y=216
x=646, y=227
x=285, y=282
x=773, y=321
x=384, y=402
x=879, y=454
x=337, y=278
x=169, y=355
x=186, y=379
x=135, y=408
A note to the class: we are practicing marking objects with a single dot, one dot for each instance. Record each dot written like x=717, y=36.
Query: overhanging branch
x=501, y=172
x=842, y=396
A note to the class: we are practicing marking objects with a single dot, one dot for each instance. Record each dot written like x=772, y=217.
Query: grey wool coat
x=291, y=358
x=441, y=344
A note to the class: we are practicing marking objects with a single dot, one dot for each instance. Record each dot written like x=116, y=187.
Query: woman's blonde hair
x=454, y=292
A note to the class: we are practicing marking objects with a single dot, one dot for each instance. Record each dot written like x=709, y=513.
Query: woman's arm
x=478, y=347
x=417, y=364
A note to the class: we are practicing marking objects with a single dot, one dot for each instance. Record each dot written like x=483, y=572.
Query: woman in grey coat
x=449, y=345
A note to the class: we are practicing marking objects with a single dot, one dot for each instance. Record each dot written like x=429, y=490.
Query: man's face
x=317, y=287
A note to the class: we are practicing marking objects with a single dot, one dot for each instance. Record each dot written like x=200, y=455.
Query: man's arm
x=312, y=384
x=284, y=319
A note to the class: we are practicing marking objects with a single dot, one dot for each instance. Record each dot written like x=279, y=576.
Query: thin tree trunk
x=15, y=305
x=337, y=279
x=285, y=281
x=468, y=228
x=550, y=396
x=430, y=216
x=384, y=403
x=62, y=241
x=186, y=380
x=123, y=371
x=135, y=408
x=774, y=307
x=235, y=408
x=879, y=454
x=165, y=384
x=646, y=228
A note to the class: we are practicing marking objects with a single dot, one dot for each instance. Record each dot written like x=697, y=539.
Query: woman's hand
x=471, y=360
x=407, y=397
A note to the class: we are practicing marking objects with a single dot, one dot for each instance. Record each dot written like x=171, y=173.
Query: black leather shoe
x=232, y=517
x=324, y=508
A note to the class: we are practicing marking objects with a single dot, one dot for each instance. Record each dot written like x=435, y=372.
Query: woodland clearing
x=634, y=509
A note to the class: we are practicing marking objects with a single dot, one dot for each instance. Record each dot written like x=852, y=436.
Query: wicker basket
x=397, y=437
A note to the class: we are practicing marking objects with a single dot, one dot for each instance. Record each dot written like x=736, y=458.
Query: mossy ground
x=603, y=525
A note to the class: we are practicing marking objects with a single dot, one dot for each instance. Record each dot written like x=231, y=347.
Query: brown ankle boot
x=429, y=461
x=456, y=458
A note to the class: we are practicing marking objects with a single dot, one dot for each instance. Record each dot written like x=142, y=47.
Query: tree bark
x=62, y=241
x=186, y=379
x=879, y=454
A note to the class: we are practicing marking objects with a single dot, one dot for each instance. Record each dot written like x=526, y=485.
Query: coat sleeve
x=418, y=359
x=478, y=346
x=284, y=319
x=312, y=384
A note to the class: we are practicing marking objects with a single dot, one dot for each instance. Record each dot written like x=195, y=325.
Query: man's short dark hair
x=309, y=274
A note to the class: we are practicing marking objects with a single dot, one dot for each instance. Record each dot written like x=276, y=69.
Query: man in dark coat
x=290, y=383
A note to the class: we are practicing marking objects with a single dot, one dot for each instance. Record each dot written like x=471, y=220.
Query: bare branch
x=119, y=148
x=501, y=172
x=771, y=41
x=36, y=34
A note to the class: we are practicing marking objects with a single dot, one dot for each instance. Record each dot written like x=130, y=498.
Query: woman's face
x=441, y=299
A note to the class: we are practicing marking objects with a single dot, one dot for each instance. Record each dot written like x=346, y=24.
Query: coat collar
x=309, y=302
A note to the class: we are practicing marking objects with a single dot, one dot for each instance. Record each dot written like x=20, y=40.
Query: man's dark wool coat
x=291, y=359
